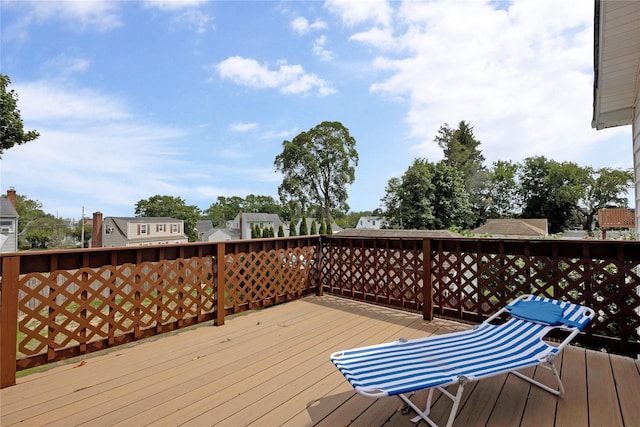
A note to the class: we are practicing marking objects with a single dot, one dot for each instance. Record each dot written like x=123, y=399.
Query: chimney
x=96, y=232
x=11, y=194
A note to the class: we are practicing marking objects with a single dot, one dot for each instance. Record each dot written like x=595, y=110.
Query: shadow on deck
x=271, y=367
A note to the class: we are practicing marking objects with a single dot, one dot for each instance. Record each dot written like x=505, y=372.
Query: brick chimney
x=96, y=232
x=11, y=195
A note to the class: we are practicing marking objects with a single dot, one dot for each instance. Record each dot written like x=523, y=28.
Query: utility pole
x=82, y=233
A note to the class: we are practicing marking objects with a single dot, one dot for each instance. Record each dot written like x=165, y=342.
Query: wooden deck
x=271, y=367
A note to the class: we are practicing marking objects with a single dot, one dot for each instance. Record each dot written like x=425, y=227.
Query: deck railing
x=60, y=304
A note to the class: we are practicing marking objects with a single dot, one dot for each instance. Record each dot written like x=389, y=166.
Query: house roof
x=616, y=62
x=6, y=208
x=513, y=227
x=260, y=217
x=204, y=226
x=146, y=219
x=391, y=233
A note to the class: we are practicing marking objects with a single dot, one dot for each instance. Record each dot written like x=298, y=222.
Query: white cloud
x=242, y=127
x=174, y=4
x=91, y=148
x=289, y=79
x=42, y=101
x=63, y=66
x=279, y=135
x=186, y=13
x=91, y=15
x=320, y=50
x=302, y=26
x=355, y=12
x=521, y=76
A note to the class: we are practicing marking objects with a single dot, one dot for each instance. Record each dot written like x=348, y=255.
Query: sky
x=194, y=98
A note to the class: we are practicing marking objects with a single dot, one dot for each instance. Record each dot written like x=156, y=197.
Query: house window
x=175, y=228
x=6, y=226
x=143, y=228
x=160, y=228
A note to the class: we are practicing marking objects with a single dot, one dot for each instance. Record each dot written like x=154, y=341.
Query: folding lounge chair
x=403, y=367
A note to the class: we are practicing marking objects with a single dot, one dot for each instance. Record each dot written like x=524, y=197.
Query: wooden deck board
x=271, y=367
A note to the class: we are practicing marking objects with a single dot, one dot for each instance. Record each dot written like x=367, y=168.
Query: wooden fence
x=60, y=304
x=469, y=279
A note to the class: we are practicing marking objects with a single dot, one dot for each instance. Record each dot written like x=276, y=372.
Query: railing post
x=220, y=284
x=427, y=282
x=320, y=263
x=9, y=320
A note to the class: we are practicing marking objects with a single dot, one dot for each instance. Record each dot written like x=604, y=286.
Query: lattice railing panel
x=608, y=286
x=64, y=308
x=267, y=277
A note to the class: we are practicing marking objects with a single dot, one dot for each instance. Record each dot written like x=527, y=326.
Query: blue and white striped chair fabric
x=404, y=366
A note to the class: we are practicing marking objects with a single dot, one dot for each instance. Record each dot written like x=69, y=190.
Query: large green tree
x=461, y=151
x=429, y=196
x=317, y=167
x=28, y=210
x=11, y=125
x=173, y=207
x=46, y=232
x=606, y=188
x=552, y=190
x=503, y=198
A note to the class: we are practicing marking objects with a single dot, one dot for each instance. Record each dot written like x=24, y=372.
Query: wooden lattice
x=471, y=279
x=63, y=308
x=474, y=285
x=381, y=273
x=257, y=279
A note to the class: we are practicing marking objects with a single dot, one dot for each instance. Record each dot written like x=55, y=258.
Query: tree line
x=460, y=191
x=318, y=166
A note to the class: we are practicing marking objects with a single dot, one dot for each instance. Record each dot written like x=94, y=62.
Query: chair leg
x=424, y=415
x=552, y=367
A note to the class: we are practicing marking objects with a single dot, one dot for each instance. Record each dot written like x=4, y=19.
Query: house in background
x=616, y=69
x=514, y=227
x=8, y=222
x=616, y=219
x=136, y=231
x=371, y=222
x=243, y=222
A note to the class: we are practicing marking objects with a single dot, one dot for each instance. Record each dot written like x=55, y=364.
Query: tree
x=429, y=196
x=552, y=190
x=292, y=228
x=11, y=124
x=606, y=187
x=304, y=229
x=460, y=148
x=280, y=231
x=28, y=210
x=323, y=227
x=47, y=231
x=314, y=228
x=77, y=233
x=392, y=201
x=223, y=210
x=503, y=197
x=256, y=231
x=262, y=204
x=317, y=167
x=173, y=207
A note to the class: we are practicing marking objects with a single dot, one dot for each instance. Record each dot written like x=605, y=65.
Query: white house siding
x=635, y=129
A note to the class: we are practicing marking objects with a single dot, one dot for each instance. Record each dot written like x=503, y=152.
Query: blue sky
x=194, y=98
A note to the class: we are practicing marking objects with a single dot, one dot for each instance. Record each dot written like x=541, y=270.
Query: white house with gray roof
x=142, y=231
x=8, y=222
